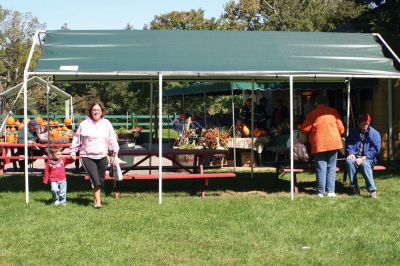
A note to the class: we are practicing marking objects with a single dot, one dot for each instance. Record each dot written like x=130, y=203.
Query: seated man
x=33, y=137
x=362, y=146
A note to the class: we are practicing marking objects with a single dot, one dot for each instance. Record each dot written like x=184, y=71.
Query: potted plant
x=124, y=134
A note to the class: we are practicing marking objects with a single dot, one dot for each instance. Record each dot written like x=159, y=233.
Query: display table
x=243, y=146
x=245, y=143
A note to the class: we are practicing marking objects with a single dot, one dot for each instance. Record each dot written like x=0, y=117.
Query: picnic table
x=10, y=152
x=193, y=171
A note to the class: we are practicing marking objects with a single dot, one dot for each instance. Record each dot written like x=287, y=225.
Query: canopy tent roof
x=33, y=80
x=216, y=55
x=223, y=87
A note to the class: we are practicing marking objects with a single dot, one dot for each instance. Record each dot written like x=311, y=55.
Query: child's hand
x=73, y=156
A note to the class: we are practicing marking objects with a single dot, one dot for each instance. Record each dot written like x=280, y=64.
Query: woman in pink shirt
x=95, y=139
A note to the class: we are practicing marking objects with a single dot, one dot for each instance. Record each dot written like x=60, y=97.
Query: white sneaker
x=374, y=195
x=331, y=194
x=320, y=195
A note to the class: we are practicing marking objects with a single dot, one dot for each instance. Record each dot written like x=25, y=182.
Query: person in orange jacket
x=324, y=129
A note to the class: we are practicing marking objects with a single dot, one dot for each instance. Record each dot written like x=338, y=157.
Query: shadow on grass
x=262, y=182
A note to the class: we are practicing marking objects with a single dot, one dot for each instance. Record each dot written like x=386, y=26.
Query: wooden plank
x=173, y=176
x=185, y=176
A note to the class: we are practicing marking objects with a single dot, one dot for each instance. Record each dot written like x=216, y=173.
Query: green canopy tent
x=209, y=56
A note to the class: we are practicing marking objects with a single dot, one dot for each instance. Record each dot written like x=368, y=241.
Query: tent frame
x=196, y=75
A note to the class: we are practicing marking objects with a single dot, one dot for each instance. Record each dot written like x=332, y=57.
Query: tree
x=16, y=31
x=65, y=27
x=294, y=15
x=183, y=20
x=129, y=26
x=382, y=17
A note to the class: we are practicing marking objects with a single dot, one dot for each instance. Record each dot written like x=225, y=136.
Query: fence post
x=133, y=119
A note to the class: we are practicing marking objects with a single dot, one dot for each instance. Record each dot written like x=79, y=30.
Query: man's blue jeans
x=366, y=171
x=325, y=168
x=59, y=191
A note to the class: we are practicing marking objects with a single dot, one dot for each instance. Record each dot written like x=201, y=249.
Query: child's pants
x=59, y=191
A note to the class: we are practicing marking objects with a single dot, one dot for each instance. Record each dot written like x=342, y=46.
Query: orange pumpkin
x=68, y=121
x=64, y=128
x=12, y=129
x=257, y=132
x=246, y=131
x=57, y=135
x=10, y=121
x=10, y=138
x=39, y=120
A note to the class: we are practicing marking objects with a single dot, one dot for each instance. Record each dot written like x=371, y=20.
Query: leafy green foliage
x=16, y=31
x=295, y=15
x=183, y=20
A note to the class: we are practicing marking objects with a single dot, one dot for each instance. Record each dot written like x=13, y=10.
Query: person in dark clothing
x=33, y=137
x=261, y=114
x=280, y=114
x=245, y=113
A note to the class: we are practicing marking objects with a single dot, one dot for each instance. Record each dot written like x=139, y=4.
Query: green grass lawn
x=241, y=221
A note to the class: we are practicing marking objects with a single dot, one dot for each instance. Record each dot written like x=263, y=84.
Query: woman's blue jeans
x=366, y=171
x=325, y=168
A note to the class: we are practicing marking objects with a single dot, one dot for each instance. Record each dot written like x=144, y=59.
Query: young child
x=55, y=172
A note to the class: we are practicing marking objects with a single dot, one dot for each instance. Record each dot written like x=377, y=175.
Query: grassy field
x=247, y=221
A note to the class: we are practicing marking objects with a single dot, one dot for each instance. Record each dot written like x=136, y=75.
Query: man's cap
x=33, y=123
x=365, y=117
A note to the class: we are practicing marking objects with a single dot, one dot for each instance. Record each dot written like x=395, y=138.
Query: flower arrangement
x=137, y=129
x=215, y=138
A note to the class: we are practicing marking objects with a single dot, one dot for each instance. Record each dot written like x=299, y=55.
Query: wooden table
x=194, y=171
x=10, y=154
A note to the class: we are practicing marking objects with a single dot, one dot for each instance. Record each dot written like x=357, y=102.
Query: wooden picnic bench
x=193, y=171
x=172, y=176
x=281, y=164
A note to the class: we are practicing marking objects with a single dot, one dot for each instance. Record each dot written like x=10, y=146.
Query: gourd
x=39, y=120
x=10, y=138
x=10, y=121
x=67, y=121
x=245, y=130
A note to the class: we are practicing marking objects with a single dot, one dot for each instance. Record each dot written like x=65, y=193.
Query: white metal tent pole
x=160, y=163
x=151, y=120
x=48, y=113
x=72, y=113
x=26, y=138
x=26, y=76
x=291, y=140
x=348, y=108
x=169, y=124
x=390, y=119
x=234, y=131
x=252, y=128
